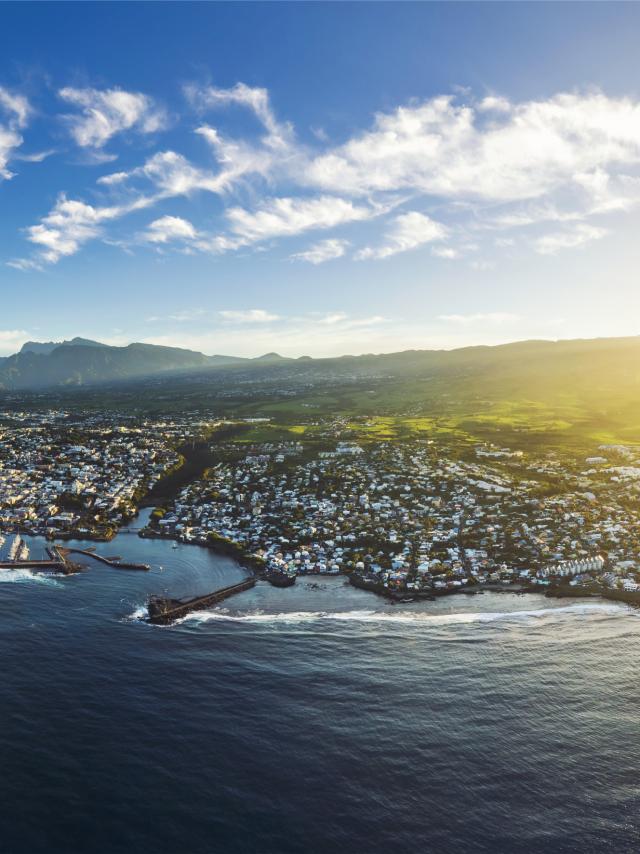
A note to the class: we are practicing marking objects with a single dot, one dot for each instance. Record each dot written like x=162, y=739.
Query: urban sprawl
x=417, y=517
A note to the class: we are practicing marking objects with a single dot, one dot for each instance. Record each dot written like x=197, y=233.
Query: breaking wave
x=139, y=615
x=405, y=617
x=22, y=576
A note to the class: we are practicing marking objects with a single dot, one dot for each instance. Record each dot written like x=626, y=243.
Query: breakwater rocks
x=164, y=610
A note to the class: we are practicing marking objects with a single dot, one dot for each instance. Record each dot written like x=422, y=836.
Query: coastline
x=560, y=591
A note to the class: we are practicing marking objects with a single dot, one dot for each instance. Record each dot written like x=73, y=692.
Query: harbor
x=15, y=554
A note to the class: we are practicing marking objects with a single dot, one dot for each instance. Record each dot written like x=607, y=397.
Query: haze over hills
x=604, y=369
x=81, y=362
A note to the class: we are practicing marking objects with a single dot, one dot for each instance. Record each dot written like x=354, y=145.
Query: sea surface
x=314, y=719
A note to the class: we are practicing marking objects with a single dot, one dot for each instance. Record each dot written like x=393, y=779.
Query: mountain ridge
x=81, y=362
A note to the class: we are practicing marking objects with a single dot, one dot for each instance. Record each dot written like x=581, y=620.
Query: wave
x=406, y=617
x=22, y=576
x=139, y=615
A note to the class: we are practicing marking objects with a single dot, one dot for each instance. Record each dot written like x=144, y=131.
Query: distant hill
x=594, y=382
x=271, y=357
x=45, y=348
x=81, y=362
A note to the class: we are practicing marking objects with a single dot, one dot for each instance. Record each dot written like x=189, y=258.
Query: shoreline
x=561, y=591
x=254, y=566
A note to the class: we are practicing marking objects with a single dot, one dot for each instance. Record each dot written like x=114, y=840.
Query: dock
x=57, y=562
x=164, y=610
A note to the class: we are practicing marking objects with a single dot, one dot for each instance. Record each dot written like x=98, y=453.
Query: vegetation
x=525, y=394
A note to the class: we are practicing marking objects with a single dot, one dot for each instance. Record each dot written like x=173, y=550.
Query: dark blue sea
x=313, y=719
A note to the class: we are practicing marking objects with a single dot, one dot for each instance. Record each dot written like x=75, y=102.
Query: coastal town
x=407, y=519
x=82, y=476
x=420, y=517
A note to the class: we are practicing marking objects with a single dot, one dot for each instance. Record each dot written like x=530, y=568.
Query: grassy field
x=532, y=393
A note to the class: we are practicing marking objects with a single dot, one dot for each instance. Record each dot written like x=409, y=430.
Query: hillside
x=84, y=363
x=590, y=387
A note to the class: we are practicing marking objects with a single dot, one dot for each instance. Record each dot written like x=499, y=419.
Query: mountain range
x=81, y=362
x=599, y=377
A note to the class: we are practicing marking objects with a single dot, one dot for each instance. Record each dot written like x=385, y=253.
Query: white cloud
x=69, y=225
x=169, y=174
x=16, y=105
x=169, y=228
x=278, y=136
x=290, y=335
x=252, y=315
x=445, y=149
x=445, y=252
x=409, y=231
x=35, y=157
x=11, y=340
x=113, y=178
x=335, y=317
x=325, y=250
x=275, y=152
x=283, y=217
x=16, y=111
x=495, y=104
x=280, y=217
x=24, y=264
x=107, y=112
x=490, y=165
x=569, y=239
x=9, y=141
x=495, y=317
x=238, y=159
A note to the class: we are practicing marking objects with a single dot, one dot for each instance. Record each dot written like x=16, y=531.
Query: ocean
x=314, y=719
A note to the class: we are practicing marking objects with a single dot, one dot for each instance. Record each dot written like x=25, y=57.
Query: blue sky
x=318, y=178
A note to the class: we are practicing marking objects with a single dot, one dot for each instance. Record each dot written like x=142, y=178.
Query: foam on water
x=408, y=617
x=140, y=614
x=21, y=576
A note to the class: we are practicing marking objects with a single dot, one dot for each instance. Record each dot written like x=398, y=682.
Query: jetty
x=114, y=562
x=57, y=562
x=164, y=610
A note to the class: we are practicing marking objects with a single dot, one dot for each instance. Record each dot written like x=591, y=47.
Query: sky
x=318, y=178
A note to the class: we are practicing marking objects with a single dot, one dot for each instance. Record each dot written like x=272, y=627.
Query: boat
x=174, y=546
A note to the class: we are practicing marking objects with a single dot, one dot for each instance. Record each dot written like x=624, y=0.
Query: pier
x=57, y=562
x=116, y=563
x=163, y=610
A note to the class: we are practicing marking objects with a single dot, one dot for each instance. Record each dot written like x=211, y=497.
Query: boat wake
x=408, y=618
x=25, y=576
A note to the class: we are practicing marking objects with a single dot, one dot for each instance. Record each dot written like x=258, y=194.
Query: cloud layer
x=449, y=179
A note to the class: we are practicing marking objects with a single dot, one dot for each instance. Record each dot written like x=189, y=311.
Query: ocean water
x=314, y=719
